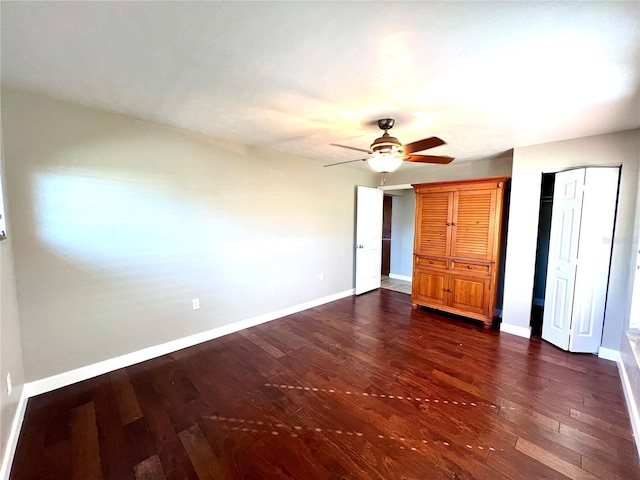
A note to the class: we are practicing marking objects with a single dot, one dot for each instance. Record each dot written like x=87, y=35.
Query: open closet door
x=368, y=239
x=563, y=257
x=594, y=258
x=582, y=222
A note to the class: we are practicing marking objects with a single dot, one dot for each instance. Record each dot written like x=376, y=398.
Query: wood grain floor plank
x=204, y=461
x=114, y=454
x=606, y=425
x=175, y=462
x=551, y=460
x=604, y=469
x=516, y=465
x=125, y=397
x=149, y=469
x=597, y=439
x=525, y=416
x=139, y=441
x=263, y=344
x=85, y=448
x=56, y=461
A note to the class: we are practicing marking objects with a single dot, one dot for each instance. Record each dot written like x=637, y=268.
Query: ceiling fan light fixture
x=385, y=163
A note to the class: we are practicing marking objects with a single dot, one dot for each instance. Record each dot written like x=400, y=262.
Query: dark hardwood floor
x=361, y=388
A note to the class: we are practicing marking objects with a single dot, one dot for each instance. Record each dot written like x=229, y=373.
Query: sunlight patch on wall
x=104, y=219
x=138, y=226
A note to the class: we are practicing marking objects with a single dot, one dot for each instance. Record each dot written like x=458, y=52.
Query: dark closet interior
x=542, y=252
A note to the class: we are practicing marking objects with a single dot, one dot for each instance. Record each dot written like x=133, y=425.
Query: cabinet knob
x=431, y=262
x=469, y=267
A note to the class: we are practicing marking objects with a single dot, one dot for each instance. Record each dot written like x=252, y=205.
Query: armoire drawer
x=428, y=262
x=471, y=267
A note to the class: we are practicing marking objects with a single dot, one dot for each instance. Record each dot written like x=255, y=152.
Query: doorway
x=574, y=244
x=387, y=207
x=397, y=233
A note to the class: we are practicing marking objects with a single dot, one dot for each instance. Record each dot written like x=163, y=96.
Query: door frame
x=579, y=347
x=383, y=188
x=401, y=186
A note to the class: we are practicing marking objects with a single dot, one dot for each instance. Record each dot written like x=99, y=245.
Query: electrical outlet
x=321, y=276
x=9, y=386
x=196, y=303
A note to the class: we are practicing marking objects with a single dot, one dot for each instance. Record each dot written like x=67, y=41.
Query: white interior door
x=368, y=239
x=563, y=257
x=594, y=253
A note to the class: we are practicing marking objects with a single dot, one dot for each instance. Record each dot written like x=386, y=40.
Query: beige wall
x=10, y=347
x=528, y=165
x=119, y=223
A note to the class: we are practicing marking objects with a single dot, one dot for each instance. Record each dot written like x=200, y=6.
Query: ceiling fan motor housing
x=386, y=144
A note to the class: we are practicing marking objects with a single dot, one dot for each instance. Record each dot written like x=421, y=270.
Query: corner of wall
x=12, y=397
x=13, y=435
x=515, y=330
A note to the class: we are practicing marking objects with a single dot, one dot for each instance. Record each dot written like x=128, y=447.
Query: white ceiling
x=296, y=76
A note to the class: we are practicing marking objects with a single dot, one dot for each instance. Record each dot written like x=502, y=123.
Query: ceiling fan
x=387, y=153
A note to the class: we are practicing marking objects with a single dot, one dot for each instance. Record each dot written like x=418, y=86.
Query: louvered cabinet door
x=433, y=219
x=473, y=230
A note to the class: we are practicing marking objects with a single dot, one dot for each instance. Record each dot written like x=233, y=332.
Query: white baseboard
x=400, y=277
x=14, y=433
x=608, y=354
x=515, y=330
x=632, y=406
x=83, y=373
x=44, y=385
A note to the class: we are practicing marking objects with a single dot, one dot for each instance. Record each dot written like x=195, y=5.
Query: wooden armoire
x=457, y=246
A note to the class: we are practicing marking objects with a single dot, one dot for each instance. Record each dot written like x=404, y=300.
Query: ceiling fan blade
x=423, y=144
x=348, y=161
x=350, y=148
x=429, y=159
